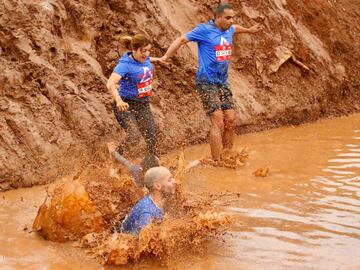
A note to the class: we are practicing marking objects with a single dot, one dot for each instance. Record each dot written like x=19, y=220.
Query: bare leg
x=229, y=129
x=217, y=128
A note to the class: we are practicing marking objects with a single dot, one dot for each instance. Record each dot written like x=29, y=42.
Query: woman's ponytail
x=135, y=42
x=126, y=41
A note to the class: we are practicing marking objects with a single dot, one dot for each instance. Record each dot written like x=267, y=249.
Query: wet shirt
x=136, y=78
x=144, y=212
x=214, y=46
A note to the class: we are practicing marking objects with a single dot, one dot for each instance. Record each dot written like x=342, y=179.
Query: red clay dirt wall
x=55, y=57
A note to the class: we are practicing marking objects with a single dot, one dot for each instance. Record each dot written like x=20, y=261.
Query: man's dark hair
x=219, y=10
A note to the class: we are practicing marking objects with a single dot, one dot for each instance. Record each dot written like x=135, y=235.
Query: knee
x=229, y=123
x=217, y=119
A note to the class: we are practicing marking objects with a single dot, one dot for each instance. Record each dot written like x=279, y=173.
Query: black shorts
x=215, y=97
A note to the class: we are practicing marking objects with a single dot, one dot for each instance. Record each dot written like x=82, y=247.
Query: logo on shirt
x=145, y=86
x=223, y=51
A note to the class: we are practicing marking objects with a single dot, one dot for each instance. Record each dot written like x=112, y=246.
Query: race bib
x=223, y=52
x=144, y=89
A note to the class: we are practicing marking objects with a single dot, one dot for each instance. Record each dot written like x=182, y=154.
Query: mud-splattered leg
x=229, y=129
x=216, y=131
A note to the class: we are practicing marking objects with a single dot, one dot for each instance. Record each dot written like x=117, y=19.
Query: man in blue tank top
x=161, y=184
x=215, y=42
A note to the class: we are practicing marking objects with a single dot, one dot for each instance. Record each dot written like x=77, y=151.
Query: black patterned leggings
x=139, y=114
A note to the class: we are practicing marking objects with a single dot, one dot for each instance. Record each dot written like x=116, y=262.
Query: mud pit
x=56, y=55
x=305, y=211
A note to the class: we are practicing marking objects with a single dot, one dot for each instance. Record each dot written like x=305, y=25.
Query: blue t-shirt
x=214, y=46
x=135, y=82
x=142, y=214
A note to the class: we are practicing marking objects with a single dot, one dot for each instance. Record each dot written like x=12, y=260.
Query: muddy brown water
x=304, y=215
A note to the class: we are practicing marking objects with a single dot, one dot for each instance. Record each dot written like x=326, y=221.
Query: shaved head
x=155, y=175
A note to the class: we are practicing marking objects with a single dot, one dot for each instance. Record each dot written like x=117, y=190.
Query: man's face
x=225, y=20
x=168, y=184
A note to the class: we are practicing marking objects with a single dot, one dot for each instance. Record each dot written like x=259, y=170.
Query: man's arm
x=253, y=29
x=174, y=47
x=113, y=85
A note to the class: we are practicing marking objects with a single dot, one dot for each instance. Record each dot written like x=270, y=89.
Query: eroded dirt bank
x=55, y=57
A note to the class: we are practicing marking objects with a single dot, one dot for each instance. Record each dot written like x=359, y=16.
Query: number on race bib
x=144, y=89
x=223, y=52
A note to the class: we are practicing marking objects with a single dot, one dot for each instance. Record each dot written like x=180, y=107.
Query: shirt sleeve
x=121, y=69
x=197, y=34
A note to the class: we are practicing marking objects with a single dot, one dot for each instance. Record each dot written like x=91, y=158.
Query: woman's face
x=142, y=53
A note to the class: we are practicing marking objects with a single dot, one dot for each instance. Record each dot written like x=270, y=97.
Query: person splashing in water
x=161, y=185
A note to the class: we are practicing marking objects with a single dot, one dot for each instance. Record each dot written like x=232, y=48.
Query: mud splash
x=87, y=207
x=166, y=241
x=89, y=202
x=262, y=172
x=232, y=159
x=69, y=215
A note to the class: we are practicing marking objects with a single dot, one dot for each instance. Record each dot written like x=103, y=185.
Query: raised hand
x=255, y=28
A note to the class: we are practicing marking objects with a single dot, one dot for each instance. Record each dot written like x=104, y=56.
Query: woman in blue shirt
x=130, y=84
